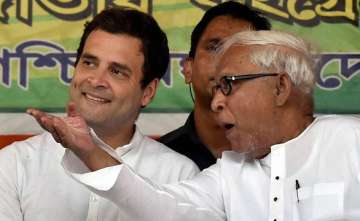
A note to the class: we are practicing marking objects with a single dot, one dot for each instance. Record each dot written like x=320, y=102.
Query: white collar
x=119, y=151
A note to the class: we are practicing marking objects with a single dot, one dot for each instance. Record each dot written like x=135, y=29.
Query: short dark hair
x=124, y=20
x=232, y=9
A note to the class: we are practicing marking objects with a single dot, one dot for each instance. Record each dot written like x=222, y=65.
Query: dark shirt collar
x=190, y=130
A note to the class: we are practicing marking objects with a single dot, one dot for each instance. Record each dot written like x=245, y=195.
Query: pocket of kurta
x=322, y=201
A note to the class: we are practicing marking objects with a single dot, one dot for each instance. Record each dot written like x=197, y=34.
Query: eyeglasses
x=225, y=83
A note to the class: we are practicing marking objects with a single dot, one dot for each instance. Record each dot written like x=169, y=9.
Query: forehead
x=103, y=42
x=223, y=26
x=236, y=61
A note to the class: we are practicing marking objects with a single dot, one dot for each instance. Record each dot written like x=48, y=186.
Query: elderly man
x=284, y=164
x=121, y=57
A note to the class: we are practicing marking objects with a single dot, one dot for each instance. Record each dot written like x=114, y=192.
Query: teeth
x=88, y=96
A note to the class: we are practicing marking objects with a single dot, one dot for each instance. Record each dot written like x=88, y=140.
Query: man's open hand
x=73, y=133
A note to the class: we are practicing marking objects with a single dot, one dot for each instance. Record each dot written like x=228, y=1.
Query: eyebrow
x=122, y=67
x=213, y=41
x=89, y=56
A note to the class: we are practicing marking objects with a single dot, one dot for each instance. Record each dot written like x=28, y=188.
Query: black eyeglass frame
x=225, y=82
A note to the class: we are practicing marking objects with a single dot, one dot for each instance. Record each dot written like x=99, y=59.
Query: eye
x=88, y=63
x=118, y=71
x=212, y=45
x=115, y=71
x=214, y=89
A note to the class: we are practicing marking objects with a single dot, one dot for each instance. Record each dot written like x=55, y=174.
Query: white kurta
x=34, y=186
x=324, y=160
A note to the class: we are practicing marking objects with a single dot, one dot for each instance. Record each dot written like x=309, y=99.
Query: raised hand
x=72, y=132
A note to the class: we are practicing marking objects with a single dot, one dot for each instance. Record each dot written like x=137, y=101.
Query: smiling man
x=285, y=164
x=122, y=55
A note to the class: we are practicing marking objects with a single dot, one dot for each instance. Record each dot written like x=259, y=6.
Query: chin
x=250, y=151
x=91, y=118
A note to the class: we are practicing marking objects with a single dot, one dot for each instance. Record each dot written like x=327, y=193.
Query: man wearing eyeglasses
x=284, y=164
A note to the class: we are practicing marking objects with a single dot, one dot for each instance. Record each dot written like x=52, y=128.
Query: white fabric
x=325, y=159
x=34, y=186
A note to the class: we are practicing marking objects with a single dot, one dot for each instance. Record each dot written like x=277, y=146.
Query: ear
x=283, y=89
x=149, y=92
x=187, y=69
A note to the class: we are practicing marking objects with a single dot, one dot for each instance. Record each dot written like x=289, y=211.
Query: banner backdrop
x=39, y=38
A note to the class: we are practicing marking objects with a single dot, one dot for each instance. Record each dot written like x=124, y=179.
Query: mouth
x=228, y=128
x=95, y=98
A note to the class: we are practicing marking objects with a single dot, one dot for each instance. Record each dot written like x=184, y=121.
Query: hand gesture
x=71, y=131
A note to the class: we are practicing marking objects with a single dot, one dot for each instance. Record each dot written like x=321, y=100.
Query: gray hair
x=279, y=52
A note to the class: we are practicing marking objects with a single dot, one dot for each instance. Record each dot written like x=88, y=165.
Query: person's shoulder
x=164, y=156
x=337, y=132
x=36, y=144
x=164, y=151
x=338, y=122
x=173, y=137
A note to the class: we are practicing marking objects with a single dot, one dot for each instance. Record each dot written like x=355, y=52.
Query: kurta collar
x=119, y=151
x=294, y=153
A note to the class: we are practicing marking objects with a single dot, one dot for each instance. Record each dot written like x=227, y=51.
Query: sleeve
x=183, y=169
x=102, y=179
x=197, y=199
x=10, y=170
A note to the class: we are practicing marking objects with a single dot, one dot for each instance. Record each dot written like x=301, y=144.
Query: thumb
x=71, y=110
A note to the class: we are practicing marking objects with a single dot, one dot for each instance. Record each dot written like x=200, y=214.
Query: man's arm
x=197, y=199
x=194, y=200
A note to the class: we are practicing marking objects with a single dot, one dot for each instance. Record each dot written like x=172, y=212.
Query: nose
x=218, y=101
x=98, y=79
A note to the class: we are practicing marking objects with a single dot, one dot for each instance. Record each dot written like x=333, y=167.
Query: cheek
x=124, y=93
x=79, y=78
x=254, y=113
x=205, y=65
x=75, y=85
x=207, y=68
x=241, y=105
x=246, y=112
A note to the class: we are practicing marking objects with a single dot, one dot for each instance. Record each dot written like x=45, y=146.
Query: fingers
x=41, y=117
x=69, y=131
x=71, y=110
x=78, y=124
x=45, y=121
x=63, y=135
x=37, y=114
x=48, y=123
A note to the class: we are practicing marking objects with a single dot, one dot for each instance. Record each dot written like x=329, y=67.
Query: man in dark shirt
x=201, y=139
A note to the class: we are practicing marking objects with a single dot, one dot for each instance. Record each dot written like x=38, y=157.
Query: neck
x=115, y=137
x=288, y=122
x=295, y=122
x=210, y=134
